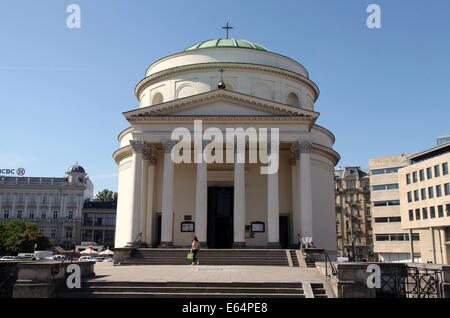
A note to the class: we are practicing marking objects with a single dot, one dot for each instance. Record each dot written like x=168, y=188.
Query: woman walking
x=194, y=249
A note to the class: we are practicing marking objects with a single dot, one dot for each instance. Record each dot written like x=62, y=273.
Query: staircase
x=295, y=262
x=252, y=257
x=319, y=290
x=109, y=289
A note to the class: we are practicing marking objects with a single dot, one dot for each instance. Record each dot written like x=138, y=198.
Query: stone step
x=170, y=295
x=123, y=289
x=137, y=262
x=298, y=285
x=191, y=290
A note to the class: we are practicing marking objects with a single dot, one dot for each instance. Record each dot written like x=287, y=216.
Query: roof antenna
x=221, y=84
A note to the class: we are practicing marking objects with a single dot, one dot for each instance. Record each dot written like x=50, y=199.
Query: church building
x=226, y=84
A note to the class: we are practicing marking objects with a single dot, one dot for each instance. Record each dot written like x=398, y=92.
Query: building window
x=445, y=168
x=411, y=215
x=110, y=220
x=416, y=195
x=86, y=236
x=415, y=176
x=432, y=212
x=381, y=220
x=98, y=236
x=447, y=207
x=6, y=214
x=368, y=211
x=19, y=214
x=31, y=214
x=429, y=173
x=438, y=191
x=43, y=214
x=55, y=215
x=109, y=236
x=70, y=215
x=408, y=178
x=430, y=192
x=88, y=219
x=382, y=237
x=417, y=214
x=69, y=232
x=425, y=213
x=384, y=171
x=447, y=232
x=436, y=171
x=423, y=194
x=53, y=233
x=440, y=211
x=421, y=175
x=409, y=196
x=98, y=220
x=447, y=188
x=41, y=230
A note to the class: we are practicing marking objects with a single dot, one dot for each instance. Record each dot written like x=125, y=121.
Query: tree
x=18, y=236
x=106, y=196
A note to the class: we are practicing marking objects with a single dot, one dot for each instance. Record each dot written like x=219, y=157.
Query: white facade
x=55, y=204
x=156, y=197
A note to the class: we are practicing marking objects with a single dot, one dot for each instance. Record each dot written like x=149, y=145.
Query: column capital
x=149, y=155
x=137, y=146
x=292, y=158
x=168, y=145
x=303, y=146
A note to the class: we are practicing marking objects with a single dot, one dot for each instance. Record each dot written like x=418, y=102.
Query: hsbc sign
x=19, y=172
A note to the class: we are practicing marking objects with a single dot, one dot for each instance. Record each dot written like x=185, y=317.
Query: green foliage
x=106, y=196
x=18, y=236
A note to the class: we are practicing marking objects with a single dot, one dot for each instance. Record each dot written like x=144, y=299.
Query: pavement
x=204, y=273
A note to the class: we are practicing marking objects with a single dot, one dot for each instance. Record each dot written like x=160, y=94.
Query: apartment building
x=99, y=223
x=425, y=201
x=391, y=241
x=353, y=213
x=54, y=204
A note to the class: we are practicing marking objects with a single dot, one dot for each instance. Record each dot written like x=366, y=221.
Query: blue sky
x=62, y=91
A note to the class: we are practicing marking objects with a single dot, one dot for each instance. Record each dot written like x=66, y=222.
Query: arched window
x=292, y=100
x=157, y=98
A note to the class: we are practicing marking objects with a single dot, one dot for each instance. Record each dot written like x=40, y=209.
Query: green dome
x=227, y=43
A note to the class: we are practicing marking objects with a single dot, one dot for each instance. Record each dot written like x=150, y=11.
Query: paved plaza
x=204, y=273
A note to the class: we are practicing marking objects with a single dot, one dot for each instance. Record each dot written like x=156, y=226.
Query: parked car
x=8, y=258
x=59, y=257
x=25, y=255
x=108, y=260
x=86, y=258
x=99, y=259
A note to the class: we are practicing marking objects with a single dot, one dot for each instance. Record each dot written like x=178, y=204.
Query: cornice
x=122, y=153
x=203, y=67
x=222, y=94
x=327, y=152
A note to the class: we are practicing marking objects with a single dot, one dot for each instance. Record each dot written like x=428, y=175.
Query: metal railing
x=327, y=259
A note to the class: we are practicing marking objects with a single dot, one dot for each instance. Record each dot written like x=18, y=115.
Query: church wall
x=226, y=55
x=123, y=225
x=324, y=214
x=258, y=84
x=184, y=201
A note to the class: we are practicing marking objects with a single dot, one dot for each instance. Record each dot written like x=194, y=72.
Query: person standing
x=194, y=250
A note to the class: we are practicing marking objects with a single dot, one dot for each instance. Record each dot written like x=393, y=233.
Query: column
x=305, y=187
x=144, y=190
x=136, y=181
x=411, y=245
x=201, y=203
x=433, y=248
x=167, y=197
x=150, y=189
x=295, y=214
x=273, y=210
x=239, y=205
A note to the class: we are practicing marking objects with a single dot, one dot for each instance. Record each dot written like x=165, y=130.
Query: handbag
x=190, y=256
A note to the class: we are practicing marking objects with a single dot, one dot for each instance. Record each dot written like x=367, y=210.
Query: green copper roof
x=227, y=43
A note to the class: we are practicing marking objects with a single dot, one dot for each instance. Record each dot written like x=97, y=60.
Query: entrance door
x=284, y=235
x=220, y=217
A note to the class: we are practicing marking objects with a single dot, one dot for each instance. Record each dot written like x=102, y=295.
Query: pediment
x=220, y=103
